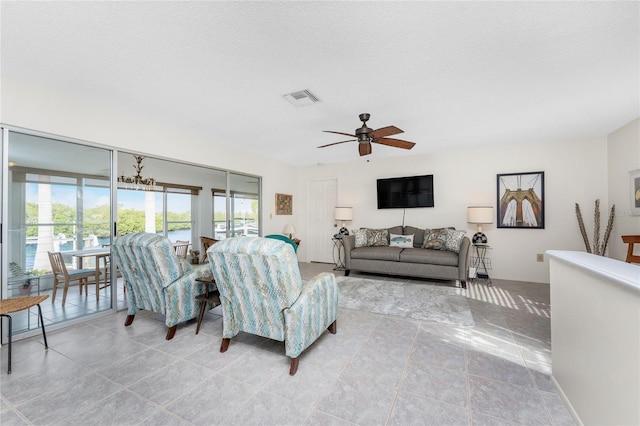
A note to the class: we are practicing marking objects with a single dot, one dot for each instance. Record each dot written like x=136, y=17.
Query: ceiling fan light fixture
x=301, y=98
x=365, y=136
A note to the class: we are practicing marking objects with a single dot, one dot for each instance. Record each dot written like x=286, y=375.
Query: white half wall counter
x=595, y=336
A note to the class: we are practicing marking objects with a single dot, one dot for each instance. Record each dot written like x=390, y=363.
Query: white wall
x=623, y=150
x=33, y=108
x=575, y=172
x=596, y=345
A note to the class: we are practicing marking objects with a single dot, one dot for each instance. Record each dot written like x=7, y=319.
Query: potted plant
x=195, y=257
x=25, y=288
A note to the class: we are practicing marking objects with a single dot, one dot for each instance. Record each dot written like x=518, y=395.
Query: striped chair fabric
x=262, y=293
x=157, y=280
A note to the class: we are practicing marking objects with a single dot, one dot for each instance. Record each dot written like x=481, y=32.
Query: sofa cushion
x=377, y=237
x=431, y=257
x=377, y=253
x=418, y=235
x=435, y=239
x=454, y=240
x=367, y=237
x=396, y=230
x=404, y=241
x=361, y=237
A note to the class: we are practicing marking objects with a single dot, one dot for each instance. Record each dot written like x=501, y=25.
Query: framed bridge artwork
x=520, y=200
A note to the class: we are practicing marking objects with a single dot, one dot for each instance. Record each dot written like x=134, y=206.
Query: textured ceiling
x=450, y=74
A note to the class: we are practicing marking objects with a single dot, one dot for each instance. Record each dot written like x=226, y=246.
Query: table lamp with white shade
x=479, y=215
x=343, y=214
x=290, y=230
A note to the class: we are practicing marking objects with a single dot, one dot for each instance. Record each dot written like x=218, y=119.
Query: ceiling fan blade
x=364, y=148
x=396, y=143
x=335, y=143
x=339, y=133
x=385, y=131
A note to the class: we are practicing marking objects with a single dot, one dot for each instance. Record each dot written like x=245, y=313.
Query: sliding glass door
x=244, y=205
x=61, y=196
x=58, y=199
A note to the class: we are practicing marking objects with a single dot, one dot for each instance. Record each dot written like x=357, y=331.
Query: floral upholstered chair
x=157, y=280
x=262, y=293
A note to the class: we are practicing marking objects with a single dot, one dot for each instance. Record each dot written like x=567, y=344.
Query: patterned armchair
x=157, y=280
x=262, y=293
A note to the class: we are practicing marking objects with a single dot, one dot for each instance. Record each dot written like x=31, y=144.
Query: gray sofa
x=413, y=262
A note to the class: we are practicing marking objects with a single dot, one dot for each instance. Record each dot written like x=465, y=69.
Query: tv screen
x=405, y=192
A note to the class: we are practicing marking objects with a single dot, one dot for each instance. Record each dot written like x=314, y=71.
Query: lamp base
x=344, y=231
x=479, y=238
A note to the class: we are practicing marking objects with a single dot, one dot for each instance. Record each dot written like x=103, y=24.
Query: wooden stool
x=631, y=240
x=8, y=306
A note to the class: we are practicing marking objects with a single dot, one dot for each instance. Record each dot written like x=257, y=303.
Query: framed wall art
x=284, y=204
x=520, y=200
x=635, y=192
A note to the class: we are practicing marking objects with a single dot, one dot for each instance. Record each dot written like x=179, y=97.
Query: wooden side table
x=631, y=240
x=211, y=297
x=9, y=306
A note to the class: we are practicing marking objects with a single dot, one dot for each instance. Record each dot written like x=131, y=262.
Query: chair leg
x=225, y=345
x=294, y=366
x=64, y=292
x=171, y=332
x=10, y=332
x=44, y=334
x=333, y=328
x=55, y=290
x=129, y=320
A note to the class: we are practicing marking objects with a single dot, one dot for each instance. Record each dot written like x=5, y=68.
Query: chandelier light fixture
x=137, y=181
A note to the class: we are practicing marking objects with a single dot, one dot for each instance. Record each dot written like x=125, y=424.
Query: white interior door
x=322, y=197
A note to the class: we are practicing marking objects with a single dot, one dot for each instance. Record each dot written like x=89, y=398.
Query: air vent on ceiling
x=301, y=98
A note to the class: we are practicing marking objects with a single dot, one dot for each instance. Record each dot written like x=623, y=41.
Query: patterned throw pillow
x=377, y=237
x=361, y=237
x=435, y=239
x=454, y=240
x=404, y=241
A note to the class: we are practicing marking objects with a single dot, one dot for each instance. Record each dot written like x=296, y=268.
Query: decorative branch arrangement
x=598, y=247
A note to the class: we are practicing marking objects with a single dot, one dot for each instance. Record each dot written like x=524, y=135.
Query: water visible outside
x=183, y=235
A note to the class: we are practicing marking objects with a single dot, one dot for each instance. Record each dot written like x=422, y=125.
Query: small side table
x=211, y=296
x=481, y=262
x=338, y=253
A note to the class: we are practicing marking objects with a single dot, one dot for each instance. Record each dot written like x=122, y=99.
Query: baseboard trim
x=566, y=402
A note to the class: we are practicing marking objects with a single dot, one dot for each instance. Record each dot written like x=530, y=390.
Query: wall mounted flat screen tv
x=405, y=192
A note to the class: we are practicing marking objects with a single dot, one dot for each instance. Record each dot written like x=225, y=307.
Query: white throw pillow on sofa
x=404, y=241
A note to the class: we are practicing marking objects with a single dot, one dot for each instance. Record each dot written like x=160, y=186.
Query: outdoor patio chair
x=64, y=276
x=181, y=248
x=157, y=280
x=206, y=242
x=262, y=293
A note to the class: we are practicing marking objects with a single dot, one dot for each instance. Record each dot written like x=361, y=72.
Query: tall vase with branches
x=599, y=247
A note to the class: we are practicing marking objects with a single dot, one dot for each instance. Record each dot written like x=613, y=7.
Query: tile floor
x=376, y=370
